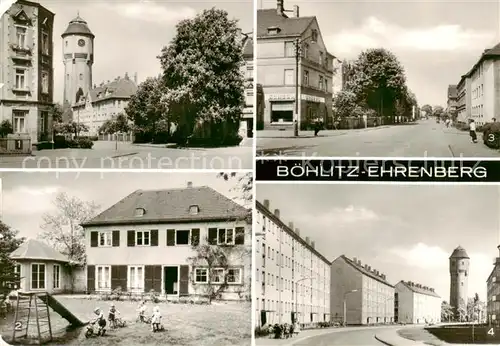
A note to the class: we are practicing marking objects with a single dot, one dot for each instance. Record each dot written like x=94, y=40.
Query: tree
x=63, y=229
x=202, y=76
x=437, y=111
x=245, y=184
x=72, y=127
x=345, y=103
x=6, y=128
x=475, y=308
x=119, y=124
x=446, y=311
x=427, y=109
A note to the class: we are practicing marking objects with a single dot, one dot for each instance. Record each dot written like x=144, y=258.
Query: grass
x=185, y=324
x=420, y=334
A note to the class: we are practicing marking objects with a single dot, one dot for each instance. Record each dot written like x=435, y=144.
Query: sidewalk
x=392, y=338
x=462, y=147
x=288, y=133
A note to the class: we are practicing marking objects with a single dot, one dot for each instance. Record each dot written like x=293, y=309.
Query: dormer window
x=314, y=35
x=139, y=212
x=194, y=210
x=273, y=30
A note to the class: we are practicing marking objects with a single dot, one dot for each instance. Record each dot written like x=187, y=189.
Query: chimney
x=290, y=225
x=432, y=289
x=266, y=204
x=378, y=273
x=280, y=7
x=135, y=78
x=383, y=276
x=307, y=240
x=277, y=213
x=189, y=184
x=313, y=244
x=355, y=260
x=369, y=268
x=297, y=231
x=366, y=266
x=126, y=76
x=359, y=263
x=296, y=11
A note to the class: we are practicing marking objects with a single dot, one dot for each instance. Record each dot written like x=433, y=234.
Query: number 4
x=491, y=331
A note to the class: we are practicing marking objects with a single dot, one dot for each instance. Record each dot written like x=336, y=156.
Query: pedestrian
x=317, y=127
x=472, y=130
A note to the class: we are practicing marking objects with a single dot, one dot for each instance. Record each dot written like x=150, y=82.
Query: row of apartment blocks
x=477, y=95
x=295, y=282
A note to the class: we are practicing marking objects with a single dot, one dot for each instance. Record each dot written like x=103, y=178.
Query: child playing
x=156, y=320
x=112, y=315
x=142, y=311
x=100, y=320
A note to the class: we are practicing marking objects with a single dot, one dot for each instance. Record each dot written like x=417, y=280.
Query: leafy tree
x=438, y=111
x=6, y=128
x=427, y=109
x=245, y=184
x=115, y=125
x=446, y=311
x=70, y=128
x=146, y=109
x=63, y=229
x=345, y=103
x=202, y=76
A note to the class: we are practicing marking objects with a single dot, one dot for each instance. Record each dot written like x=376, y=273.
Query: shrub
x=261, y=331
x=491, y=135
x=85, y=143
x=43, y=146
x=154, y=296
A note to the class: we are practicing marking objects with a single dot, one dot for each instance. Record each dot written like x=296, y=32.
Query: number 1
x=491, y=331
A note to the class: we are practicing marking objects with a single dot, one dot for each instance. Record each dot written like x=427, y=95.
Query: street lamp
x=296, y=296
x=345, y=305
x=298, y=49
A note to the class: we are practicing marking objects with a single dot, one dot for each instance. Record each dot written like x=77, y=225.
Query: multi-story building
x=493, y=293
x=362, y=293
x=459, y=279
x=103, y=103
x=246, y=126
x=452, y=99
x=292, y=278
x=417, y=304
x=147, y=240
x=277, y=35
x=26, y=69
x=464, y=99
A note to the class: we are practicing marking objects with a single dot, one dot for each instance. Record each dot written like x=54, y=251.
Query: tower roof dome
x=78, y=26
x=459, y=252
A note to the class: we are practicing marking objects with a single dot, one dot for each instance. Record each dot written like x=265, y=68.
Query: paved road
x=105, y=155
x=423, y=139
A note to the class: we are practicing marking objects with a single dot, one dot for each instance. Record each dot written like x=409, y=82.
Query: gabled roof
x=120, y=88
x=289, y=26
x=172, y=205
x=459, y=252
x=36, y=250
x=365, y=271
x=421, y=290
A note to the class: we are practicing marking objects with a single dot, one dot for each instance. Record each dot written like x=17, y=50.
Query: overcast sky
x=27, y=196
x=436, y=41
x=131, y=33
x=406, y=232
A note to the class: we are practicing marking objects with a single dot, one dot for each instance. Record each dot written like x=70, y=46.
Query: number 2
x=491, y=331
x=491, y=138
x=18, y=326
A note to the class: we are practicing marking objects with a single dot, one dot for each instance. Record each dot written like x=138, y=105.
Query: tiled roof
x=492, y=52
x=248, y=47
x=421, y=290
x=173, y=205
x=289, y=26
x=365, y=271
x=78, y=26
x=36, y=250
x=459, y=252
x=120, y=88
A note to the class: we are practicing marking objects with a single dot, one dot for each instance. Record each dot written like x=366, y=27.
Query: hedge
x=491, y=135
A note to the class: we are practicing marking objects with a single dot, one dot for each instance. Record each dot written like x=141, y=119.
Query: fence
x=119, y=137
x=15, y=146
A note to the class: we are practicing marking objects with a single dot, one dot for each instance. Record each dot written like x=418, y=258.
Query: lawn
x=421, y=335
x=185, y=324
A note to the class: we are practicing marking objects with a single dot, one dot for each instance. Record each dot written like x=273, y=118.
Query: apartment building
x=26, y=69
x=417, y=304
x=464, y=99
x=362, y=293
x=292, y=277
x=493, y=293
x=277, y=38
x=146, y=241
x=452, y=99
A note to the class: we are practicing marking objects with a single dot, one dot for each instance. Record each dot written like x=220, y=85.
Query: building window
x=225, y=237
x=289, y=77
x=182, y=237
x=56, y=276
x=38, y=276
x=136, y=278
x=20, y=78
x=249, y=72
x=320, y=83
x=217, y=275
x=142, y=238
x=306, y=77
x=321, y=58
x=45, y=43
x=103, y=280
x=194, y=210
x=20, y=121
x=66, y=43
x=305, y=50
x=17, y=271
x=81, y=76
x=139, y=212
x=201, y=275
x=289, y=49
x=234, y=276
x=21, y=36
x=314, y=35
x=45, y=82
x=326, y=85
x=105, y=238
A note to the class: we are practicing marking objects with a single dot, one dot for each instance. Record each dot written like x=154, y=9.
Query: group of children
x=113, y=314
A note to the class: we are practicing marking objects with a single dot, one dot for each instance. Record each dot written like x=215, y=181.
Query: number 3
x=19, y=326
x=491, y=331
x=491, y=137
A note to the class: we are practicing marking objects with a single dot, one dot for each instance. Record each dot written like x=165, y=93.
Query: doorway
x=171, y=280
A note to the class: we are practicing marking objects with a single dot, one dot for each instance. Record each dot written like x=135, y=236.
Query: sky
x=406, y=232
x=436, y=41
x=27, y=196
x=130, y=33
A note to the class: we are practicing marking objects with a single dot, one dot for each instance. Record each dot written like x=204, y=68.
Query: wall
x=64, y=280
x=345, y=278
x=95, y=114
x=405, y=303
x=378, y=301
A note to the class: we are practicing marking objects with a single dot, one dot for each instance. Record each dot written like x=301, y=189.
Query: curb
x=123, y=155
x=382, y=341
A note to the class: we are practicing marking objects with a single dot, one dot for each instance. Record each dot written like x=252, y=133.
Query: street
x=425, y=138
x=129, y=156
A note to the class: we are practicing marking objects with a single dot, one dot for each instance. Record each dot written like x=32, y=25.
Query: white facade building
x=291, y=275
x=417, y=304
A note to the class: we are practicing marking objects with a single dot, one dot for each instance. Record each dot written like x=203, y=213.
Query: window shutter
x=130, y=238
x=94, y=239
x=154, y=237
x=212, y=236
x=122, y=274
x=115, y=277
x=170, y=237
x=184, y=280
x=195, y=236
x=90, y=278
x=148, y=278
x=116, y=238
x=157, y=278
x=239, y=236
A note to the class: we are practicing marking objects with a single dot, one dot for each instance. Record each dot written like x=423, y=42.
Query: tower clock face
x=81, y=43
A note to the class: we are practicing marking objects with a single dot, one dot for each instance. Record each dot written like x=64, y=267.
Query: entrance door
x=171, y=280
